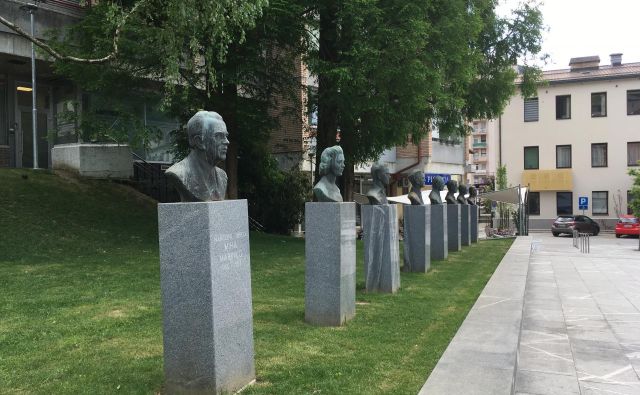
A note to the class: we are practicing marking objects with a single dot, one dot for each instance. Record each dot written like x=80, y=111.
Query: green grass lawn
x=80, y=302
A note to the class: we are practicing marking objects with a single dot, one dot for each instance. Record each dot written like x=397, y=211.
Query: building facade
x=575, y=140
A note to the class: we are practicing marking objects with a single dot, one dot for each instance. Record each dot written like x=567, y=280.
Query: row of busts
x=332, y=166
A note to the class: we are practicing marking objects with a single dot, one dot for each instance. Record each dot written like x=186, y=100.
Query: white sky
x=587, y=27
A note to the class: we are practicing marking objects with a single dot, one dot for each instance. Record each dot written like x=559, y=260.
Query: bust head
x=473, y=192
x=207, y=133
x=462, y=189
x=452, y=186
x=416, y=179
x=437, y=184
x=380, y=174
x=332, y=161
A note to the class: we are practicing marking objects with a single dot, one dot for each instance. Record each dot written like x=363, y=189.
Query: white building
x=576, y=139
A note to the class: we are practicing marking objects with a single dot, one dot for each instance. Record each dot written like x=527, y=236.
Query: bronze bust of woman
x=436, y=187
x=462, y=189
x=331, y=166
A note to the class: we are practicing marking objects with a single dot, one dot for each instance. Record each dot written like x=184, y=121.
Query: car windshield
x=564, y=219
x=629, y=220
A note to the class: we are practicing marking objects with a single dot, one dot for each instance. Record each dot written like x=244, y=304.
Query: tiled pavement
x=553, y=321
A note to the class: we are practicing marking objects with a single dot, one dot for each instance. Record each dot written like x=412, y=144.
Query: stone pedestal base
x=417, y=238
x=473, y=221
x=330, y=271
x=453, y=227
x=205, y=278
x=465, y=224
x=439, y=236
x=381, y=253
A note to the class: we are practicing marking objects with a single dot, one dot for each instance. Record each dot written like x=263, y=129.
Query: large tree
x=236, y=58
x=388, y=69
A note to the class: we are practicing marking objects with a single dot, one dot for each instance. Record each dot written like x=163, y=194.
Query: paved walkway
x=551, y=321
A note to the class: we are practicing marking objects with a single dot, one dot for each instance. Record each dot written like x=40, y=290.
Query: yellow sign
x=548, y=180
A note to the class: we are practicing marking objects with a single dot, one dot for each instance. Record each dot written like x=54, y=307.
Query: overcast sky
x=587, y=27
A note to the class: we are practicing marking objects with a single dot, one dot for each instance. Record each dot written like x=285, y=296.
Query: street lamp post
x=31, y=8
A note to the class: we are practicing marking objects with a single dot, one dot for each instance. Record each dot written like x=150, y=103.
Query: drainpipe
x=500, y=140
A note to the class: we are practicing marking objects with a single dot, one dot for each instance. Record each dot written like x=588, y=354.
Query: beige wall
x=616, y=129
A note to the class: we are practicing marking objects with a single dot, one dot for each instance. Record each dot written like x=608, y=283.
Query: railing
x=479, y=144
x=150, y=179
x=582, y=241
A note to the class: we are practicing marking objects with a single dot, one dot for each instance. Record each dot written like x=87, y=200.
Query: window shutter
x=531, y=109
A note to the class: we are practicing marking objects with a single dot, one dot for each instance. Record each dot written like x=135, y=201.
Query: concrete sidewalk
x=551, y=321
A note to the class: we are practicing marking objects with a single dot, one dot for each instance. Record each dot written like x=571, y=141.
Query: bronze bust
x=331, y=166
x=452, y=188
x=436, y=187
x=196, y=177
x=473, y=192
x=462, y=189
x=417, y=182
x=377, y=193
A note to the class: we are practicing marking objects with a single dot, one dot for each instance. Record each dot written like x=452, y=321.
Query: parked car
x=569, y=223
x=628, y=225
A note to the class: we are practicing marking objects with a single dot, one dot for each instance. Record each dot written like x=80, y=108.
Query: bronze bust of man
x=437, y=185
x=196, y=177
x=417, y=182
x=452, y=188
x=377, y=193
x=473, y=192
x=462, y=189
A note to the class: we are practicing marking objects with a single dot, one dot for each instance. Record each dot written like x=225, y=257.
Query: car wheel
x=595, y=232
x=617, y=236
x=555, y=234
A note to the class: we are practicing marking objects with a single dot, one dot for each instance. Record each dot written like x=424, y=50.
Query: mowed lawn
x=80, y=302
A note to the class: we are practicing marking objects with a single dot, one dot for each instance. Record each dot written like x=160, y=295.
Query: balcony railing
x=480, y=144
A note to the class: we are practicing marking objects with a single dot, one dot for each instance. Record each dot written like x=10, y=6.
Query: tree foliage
x=634, y=192
x=389, y=68
x=236, y=58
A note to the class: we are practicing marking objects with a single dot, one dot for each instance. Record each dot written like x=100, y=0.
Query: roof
x=607, y=72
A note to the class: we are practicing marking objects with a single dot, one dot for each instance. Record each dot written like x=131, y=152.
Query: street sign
x=583, y=203
x=428, y=178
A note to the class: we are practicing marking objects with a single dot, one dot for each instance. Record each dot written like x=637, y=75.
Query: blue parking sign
x=583, y=203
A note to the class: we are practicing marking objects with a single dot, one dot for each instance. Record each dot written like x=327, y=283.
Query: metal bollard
x=575, y=238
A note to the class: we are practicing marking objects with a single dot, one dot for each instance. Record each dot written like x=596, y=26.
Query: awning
x=404, y=199
x=512, y=195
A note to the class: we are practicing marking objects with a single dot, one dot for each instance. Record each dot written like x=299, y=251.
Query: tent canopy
x=514, y=195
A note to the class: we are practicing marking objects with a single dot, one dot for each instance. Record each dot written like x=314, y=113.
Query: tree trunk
x=229, y=100
x=327, y=87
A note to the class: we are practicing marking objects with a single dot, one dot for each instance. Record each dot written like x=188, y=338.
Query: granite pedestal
x=473, y=221
x=438, y=232
x=381, y=249
x=205, y=280
x=330, y=263
x=417, y=239
x=454, y=238
x=465, y=225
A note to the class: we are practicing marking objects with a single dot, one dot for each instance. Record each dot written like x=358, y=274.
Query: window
x=563, y=156
x=531, y=109
x=531, y=158
x=600, y=203
x=599, y=155
x=534, y=203
x=563, y=107
x=633, y=102
x=599, y=104
x=633, y=154
x=564, y=203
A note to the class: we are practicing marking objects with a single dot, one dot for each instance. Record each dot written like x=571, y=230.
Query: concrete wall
x=94, y=160
x=448, y=153
x=616, y=129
